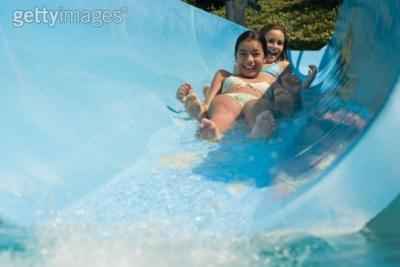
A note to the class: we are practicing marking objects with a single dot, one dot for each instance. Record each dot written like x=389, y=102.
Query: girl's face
x=249, y=58
x=275, y=40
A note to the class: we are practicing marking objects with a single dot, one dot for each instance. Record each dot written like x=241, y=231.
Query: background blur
x=310, y=23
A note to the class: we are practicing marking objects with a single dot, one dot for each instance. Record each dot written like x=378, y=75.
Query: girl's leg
x=284, y=102
x=194, y=108
x=259, y=117
x=223, y=111
x=192, y=104
x=253, y=108
x=264, y=126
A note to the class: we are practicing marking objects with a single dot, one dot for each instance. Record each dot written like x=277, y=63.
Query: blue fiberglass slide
x=91, y=129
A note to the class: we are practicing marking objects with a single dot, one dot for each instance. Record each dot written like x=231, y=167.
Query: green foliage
x=309, y=23
x=191, y=2
x=207, y=5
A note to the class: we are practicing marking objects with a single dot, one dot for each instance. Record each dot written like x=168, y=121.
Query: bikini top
x=234, y=81
x=274, y=70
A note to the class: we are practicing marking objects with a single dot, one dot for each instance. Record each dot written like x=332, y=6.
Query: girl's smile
x=249, y=58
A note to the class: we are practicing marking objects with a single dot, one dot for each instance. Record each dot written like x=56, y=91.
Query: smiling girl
x=237, y=90
x=274, y=64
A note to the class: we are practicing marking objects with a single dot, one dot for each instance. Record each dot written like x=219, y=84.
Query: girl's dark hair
x=251, y=35
x=267, y=28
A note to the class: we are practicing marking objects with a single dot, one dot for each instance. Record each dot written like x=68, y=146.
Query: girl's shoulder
x=275, y=69
x=283, y=64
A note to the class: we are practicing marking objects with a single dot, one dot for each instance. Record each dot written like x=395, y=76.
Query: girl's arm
x=216, y=86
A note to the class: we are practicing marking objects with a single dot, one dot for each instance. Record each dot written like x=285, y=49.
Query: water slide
x=91, y=129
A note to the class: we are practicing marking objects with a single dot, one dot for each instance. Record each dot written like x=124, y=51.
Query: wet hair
x=264, y=30
x=251, y=35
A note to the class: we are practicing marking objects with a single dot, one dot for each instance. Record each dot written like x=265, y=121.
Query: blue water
x=143, y=218
x=147, y=246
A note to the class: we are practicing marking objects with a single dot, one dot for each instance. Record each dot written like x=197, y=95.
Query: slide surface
x=88, y=132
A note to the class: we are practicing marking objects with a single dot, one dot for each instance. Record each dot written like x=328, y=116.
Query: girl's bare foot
x=312, y=71
x=284, y=102
x=208, y=131
x=193, y=107
x=184, y=91
x=264, y=126
x=291, y=81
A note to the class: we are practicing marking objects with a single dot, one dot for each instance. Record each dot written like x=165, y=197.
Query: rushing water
x=184, y=203
x=147, y=247
x=162, y=212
